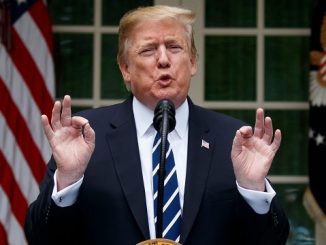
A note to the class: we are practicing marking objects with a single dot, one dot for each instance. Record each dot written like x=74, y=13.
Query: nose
x=163, y=60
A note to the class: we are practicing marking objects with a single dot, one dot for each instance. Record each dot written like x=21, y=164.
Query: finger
x=240, y=137
x=277, y=140
x=47, y=128
x=55, y=118
x=259, y=125
x=246, y=132
x=66, y=111
x=78, y=122
x=89, y=134
x=237, y=144
x=268, y=135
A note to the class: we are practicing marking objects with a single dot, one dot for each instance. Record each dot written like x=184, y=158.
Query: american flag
x=317, y=130
x=26, y=92
x=315, y=196
x=204, y=144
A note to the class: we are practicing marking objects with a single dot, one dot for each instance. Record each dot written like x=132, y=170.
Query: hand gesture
x=72, y=141
x=253, y=152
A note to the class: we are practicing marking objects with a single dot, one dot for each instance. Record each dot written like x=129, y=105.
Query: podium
x=158, y=242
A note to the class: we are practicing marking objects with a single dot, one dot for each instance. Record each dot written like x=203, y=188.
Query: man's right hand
x=72, y=141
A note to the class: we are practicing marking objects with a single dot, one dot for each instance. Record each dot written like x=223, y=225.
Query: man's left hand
x=253, y=152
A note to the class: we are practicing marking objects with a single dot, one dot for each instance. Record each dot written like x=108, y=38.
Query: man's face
x=159, y=64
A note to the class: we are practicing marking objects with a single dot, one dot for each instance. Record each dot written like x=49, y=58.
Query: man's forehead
x=165, y=38
x=150, y=36
x=158, y=26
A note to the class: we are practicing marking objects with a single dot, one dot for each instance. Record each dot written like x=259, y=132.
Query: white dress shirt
x=178, y=138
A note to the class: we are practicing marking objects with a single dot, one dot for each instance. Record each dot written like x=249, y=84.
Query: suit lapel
x=122, y=140
x=198, y=164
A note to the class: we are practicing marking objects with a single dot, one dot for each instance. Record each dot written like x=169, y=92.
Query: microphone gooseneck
x=164, y=122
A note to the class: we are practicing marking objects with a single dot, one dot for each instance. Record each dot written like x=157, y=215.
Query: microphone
x=164, y=122
x=164, y=110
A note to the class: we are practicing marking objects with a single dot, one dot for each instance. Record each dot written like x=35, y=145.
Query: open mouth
x=165, y=77
x=165, y=80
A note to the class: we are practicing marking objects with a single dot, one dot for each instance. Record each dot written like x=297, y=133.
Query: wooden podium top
x=158, y=242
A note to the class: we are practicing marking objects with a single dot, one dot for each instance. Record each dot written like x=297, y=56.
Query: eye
x=175, y=48
x=147, y=51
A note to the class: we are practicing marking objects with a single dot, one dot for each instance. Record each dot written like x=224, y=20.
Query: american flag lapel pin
x=204, y=144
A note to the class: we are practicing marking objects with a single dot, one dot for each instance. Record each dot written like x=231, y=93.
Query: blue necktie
x=171, y=201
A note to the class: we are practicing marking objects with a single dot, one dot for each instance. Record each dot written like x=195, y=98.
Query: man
x=100, y=191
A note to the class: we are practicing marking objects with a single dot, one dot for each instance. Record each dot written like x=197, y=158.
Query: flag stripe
x=17, y=162
x=15, y=233
x=11, y=188
x=23, y=99
x=33, y=79
x=38, y=51
x=3, y=235
x=25, y=140
x=38, y=12
x=27, y=90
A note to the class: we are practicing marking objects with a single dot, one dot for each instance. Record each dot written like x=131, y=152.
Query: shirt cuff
x=259, y=201
x=67, y=196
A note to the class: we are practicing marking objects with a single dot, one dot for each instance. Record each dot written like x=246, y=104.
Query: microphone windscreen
x=164, y=107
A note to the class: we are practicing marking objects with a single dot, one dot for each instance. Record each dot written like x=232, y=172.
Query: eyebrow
x=151, y=41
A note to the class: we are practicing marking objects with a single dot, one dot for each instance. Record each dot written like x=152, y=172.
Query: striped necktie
x=171, y=201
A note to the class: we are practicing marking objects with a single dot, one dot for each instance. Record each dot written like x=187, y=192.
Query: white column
x=320, y=234
x=197, y=83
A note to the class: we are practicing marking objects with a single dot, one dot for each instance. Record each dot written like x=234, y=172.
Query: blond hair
x=157, y=12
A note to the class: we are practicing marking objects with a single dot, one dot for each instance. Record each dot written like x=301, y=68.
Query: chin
x=174, y=97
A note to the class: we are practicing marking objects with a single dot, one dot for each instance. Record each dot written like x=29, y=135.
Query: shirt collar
x=144, y=118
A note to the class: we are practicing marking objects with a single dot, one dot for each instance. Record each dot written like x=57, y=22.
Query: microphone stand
x=161, y=176
x=164, y=122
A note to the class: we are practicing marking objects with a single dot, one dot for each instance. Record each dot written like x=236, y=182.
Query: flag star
x=320, y=139
x=311, y=133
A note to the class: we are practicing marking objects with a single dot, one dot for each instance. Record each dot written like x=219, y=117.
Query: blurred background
x=252, y=53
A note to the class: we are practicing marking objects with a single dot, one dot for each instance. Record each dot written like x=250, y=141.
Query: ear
x=193, y=61
x=124, y=68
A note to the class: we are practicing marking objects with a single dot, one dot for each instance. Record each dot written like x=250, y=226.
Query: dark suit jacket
x=111, y=207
